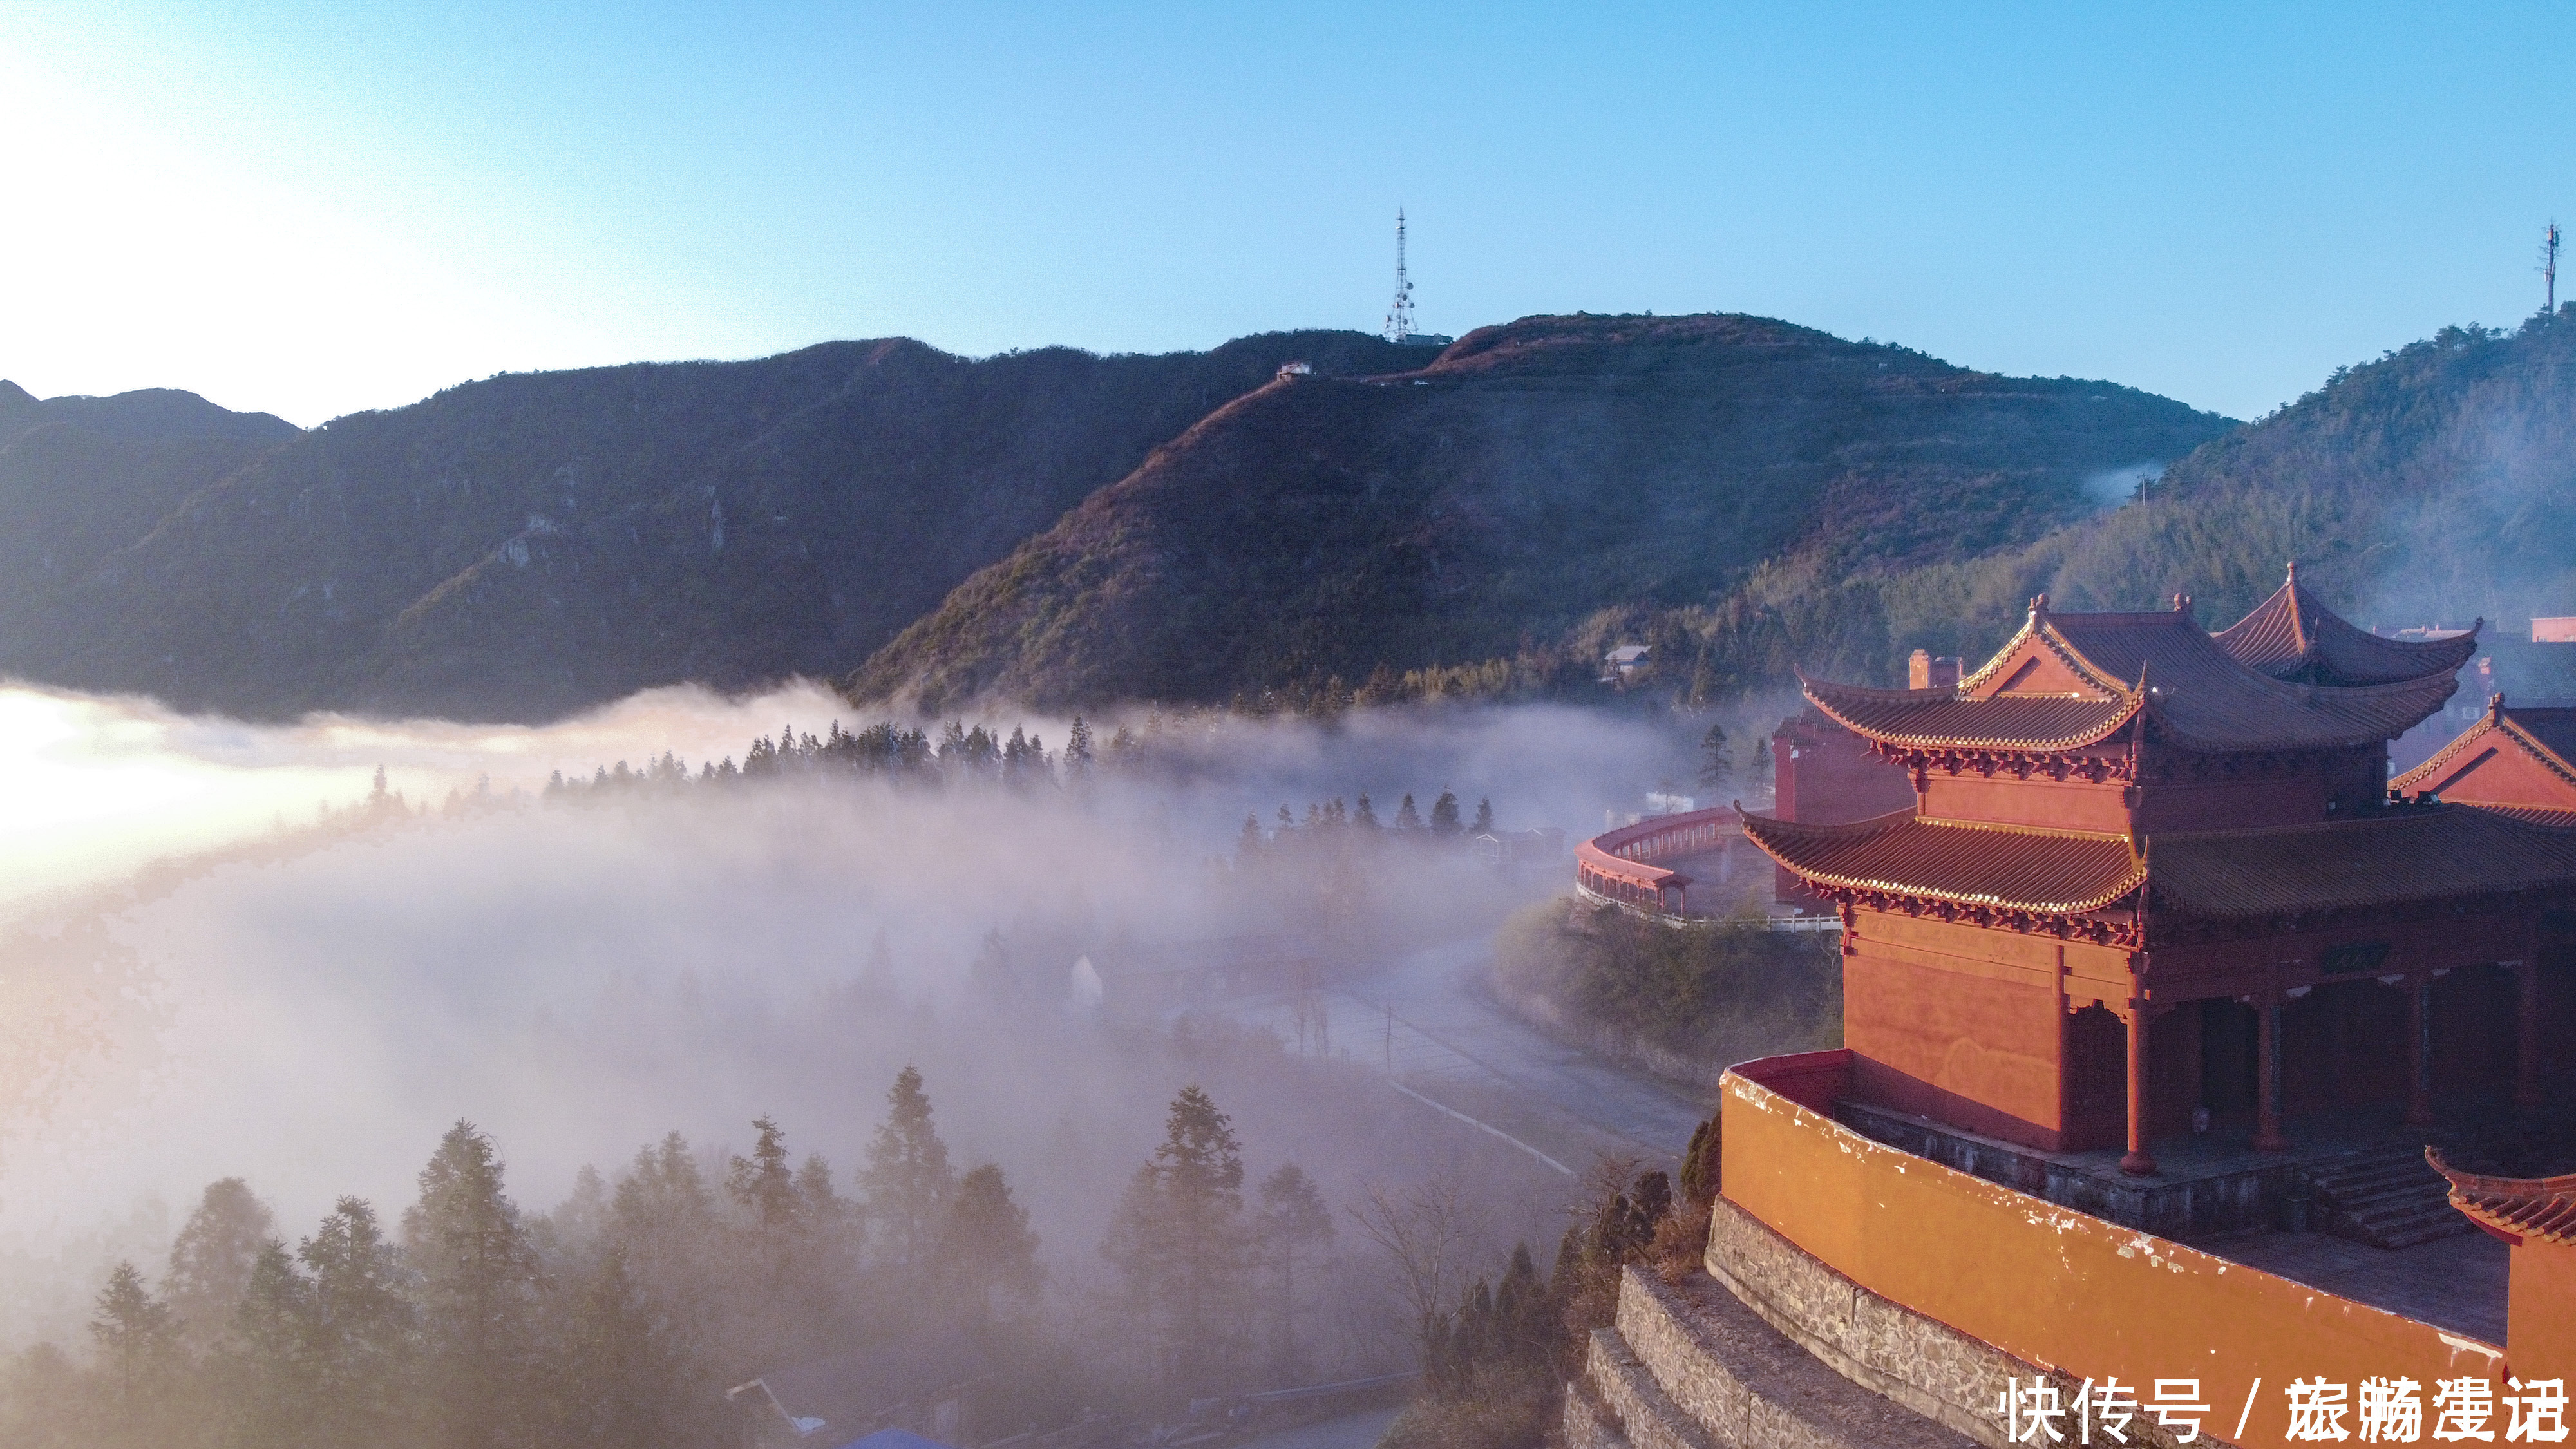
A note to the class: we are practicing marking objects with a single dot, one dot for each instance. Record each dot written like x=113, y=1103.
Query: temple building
x=2519, y=761
x=2159, y=997
x=2149, y=870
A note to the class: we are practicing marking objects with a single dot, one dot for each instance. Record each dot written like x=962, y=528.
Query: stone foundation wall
x=1925, y=1365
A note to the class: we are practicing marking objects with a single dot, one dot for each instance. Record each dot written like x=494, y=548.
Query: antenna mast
x=2548, y=267
x=1399, y=317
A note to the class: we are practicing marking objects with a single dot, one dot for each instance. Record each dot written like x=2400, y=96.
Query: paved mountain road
x=1427, y=1022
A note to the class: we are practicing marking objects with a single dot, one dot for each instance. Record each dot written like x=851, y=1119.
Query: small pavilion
x=2147, y=870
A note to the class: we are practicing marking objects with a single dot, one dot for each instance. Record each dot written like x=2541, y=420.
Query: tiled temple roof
x=2434, y=853
x=2293, y=636
x=1947, y=719
x=2428, y=854
x=2195, y=694
x=1967, y=863
x=2513, y=1208
x=2546, y=734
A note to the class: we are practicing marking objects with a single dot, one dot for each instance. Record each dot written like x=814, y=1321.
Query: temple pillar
x=2526, y=1065
x=2419, y=1052
x=2267, y=1080
x=2135, y=1161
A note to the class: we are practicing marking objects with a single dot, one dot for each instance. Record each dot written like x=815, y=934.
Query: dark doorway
x=2230, y=1056
x=2097, y=1080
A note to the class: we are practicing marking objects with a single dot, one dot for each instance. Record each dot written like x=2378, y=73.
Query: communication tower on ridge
x=1399, y=317
x=2548, y=262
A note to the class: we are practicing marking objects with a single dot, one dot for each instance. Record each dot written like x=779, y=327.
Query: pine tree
x=1702, y=1163
x=1407, y=820
x=1444, y=814
x=361, y=1349
x=1363, y=816
x=908, y=1182
x=479, y=1280
x=1078, y=753
x=763, y=1185
x=988, y=1250
x=618, y=1379
x=210, y=1262
x=1717, y=760
x=1484, y=824
x=1184, y=1241
x=661, y=1212
x=266, y=1359
x=1294, y=1227
x=138, y=1338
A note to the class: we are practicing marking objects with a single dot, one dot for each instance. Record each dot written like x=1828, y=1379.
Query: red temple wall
x=2045, y=804
x=2078, y=805
x=1961, y=1024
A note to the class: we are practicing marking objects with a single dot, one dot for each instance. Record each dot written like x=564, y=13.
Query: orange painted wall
x=2053, y=1286
x=2540, y=1320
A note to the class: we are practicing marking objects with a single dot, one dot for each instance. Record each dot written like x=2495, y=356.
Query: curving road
x=1427, y=1021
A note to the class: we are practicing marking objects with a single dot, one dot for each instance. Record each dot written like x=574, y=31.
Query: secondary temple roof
x=2292, y=636
x=2434, y=853
x=1946, y=860
x=2513, y=1208
x=2517, y=761
x=2068, y=681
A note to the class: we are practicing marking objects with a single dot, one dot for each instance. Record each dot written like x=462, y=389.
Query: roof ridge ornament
x=2038, y=607
x=2495, y=707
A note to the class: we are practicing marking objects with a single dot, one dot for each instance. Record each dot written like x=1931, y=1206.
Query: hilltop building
x=2149, y=869
x=2152, y=952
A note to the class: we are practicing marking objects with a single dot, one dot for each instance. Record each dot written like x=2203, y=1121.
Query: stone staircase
x=2388, y=1197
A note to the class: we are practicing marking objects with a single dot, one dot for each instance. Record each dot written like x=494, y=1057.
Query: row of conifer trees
x=622, y=1316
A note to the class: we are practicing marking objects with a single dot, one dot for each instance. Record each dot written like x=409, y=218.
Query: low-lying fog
x=306, y=990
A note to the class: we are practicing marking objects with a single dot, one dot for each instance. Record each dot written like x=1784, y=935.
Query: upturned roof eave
x=1759, y=829
x=2081, y=739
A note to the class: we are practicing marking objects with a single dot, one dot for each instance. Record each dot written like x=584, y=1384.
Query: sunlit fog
x=233, y=953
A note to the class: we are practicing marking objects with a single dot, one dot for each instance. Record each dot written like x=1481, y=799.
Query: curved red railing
x=1619, y=865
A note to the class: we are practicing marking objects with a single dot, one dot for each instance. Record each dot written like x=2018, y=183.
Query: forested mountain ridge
x=535, y=543
x=2431, y=485
x=1533, y=476
x=82, y=477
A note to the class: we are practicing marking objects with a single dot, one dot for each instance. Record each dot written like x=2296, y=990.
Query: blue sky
x=312, y=210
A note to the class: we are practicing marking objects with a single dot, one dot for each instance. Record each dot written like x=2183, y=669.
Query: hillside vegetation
x=531, y=544
x=2434, y=484
x=1326, y=529
x=1745, y=496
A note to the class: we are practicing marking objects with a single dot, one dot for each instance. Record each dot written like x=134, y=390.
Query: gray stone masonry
x=1915, y=1361
x=1636, y=1395
x=1587, y=1424
x=1727, y=1369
